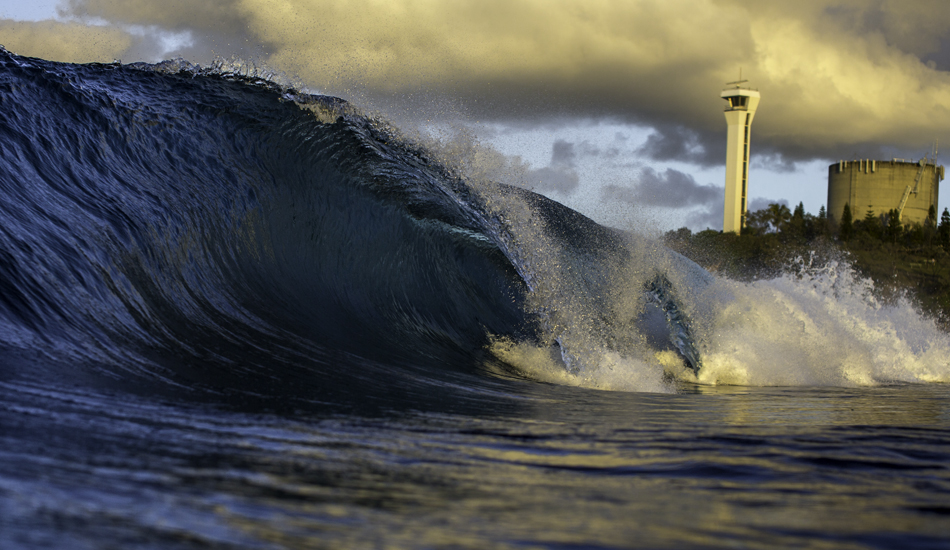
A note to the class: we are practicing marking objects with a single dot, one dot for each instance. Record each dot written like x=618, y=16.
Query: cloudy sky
x=611, y=106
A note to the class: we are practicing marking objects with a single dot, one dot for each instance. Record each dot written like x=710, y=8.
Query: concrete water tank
x=881, y=186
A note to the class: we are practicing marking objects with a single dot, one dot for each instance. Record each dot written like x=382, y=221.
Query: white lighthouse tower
x=739, y=113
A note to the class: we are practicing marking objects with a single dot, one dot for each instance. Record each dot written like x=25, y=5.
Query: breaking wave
x=188, y=228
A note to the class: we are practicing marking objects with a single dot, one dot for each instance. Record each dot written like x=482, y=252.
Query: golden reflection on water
x=762, y=467
x=882, y=406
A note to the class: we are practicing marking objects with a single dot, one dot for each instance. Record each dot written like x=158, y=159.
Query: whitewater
x=233, y=314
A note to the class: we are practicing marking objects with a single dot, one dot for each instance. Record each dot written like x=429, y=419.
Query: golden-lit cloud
x=58, y=41
x=837, y=77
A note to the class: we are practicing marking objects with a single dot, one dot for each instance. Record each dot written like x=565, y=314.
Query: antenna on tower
x=737, y=82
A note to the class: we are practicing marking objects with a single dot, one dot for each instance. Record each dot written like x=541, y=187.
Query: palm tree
x=778, y=215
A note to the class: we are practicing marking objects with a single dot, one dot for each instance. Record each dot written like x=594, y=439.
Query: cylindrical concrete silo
x=880, y=186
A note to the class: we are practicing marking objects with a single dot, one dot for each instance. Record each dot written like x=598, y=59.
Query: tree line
x=802, y=226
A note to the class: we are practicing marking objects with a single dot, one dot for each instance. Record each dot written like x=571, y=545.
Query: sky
x=609, y=106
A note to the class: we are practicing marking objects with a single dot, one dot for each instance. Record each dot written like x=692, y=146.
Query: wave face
x=183, y=228
x=206, y=230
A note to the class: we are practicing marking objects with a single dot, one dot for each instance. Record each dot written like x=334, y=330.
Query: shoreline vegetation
x=902, y=259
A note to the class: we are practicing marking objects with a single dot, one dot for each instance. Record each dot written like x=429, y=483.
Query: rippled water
x=540, y=467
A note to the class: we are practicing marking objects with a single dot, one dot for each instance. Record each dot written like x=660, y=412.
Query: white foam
x=821, y=326
x=607, y=370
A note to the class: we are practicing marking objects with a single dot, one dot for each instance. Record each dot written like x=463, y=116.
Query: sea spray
x=816, y=324
x=589, y=287
x=820, y=325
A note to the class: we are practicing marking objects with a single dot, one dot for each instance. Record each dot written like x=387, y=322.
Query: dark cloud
x=775, y=162
x=919, y=28
x=560, y=175
x=838, y=77
x=674, y=142
x=939, y=60
x=559, y=178
x=563, y=154
x=566, y=153
x=671, y=189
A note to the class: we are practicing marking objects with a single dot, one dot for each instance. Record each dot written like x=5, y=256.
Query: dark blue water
x=236, y=315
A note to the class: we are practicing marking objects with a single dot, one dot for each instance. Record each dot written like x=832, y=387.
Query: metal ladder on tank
x=907, y=191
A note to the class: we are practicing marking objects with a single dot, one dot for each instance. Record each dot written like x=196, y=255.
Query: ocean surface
x=236, y=315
